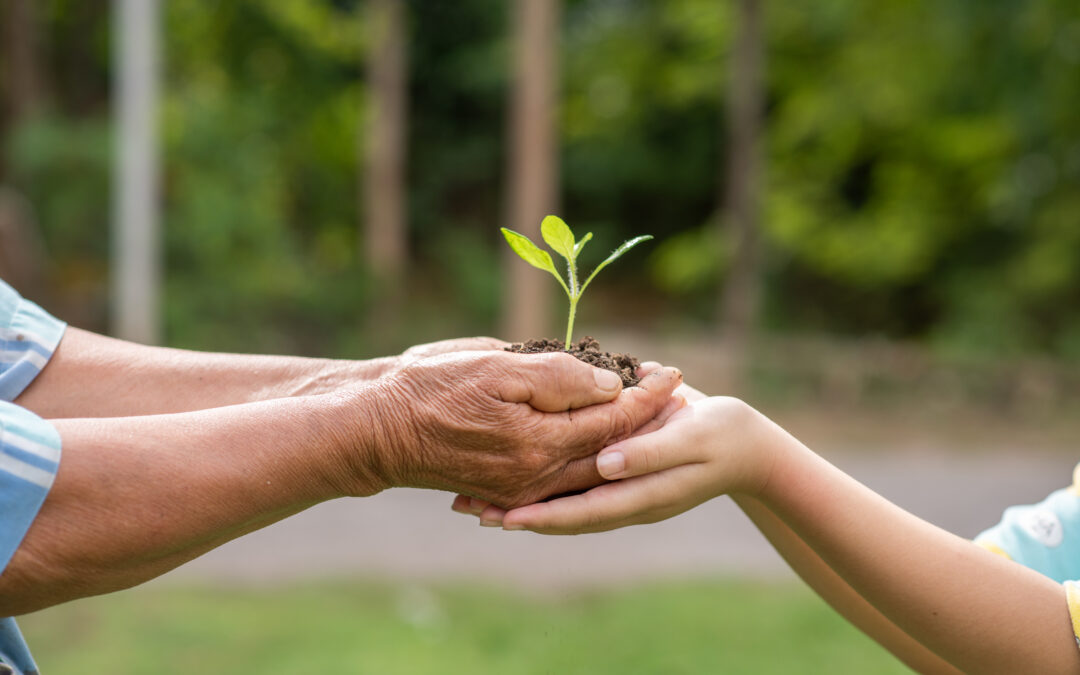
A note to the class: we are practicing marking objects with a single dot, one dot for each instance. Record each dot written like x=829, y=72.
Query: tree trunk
x=22, y=73
x=533, y=166
x=740, y=295
x=22, y=66
x=22, y=255
x=136, y=258
x=384, y=229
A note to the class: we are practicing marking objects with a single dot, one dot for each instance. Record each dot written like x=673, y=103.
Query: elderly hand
x=507, y=428
x=464, y=344
x=620, y=503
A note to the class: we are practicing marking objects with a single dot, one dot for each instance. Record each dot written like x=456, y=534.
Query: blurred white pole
x=136, y=268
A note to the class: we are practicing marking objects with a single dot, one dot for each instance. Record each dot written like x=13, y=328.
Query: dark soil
x=588, y=350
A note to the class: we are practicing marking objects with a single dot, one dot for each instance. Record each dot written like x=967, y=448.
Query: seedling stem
x=559, y=237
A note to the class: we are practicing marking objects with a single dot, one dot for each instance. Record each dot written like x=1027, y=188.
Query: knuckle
x=623, y=424
x=592, y=516
x=733, y=409
x=652, y=459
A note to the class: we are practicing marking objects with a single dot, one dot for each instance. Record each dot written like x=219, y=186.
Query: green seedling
x=559, y=237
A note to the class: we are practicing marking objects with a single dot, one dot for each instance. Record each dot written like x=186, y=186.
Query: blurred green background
x=922, y=167
x=918, y=239
x=670, y=628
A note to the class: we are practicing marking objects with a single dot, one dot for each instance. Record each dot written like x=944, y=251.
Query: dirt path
x=412, y=534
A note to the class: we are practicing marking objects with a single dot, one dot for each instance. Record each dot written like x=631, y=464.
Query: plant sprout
x=559, y=237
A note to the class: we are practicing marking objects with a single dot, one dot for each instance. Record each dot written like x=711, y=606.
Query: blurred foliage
x=923, y=164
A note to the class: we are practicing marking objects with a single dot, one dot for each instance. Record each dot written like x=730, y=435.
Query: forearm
x=91, y=375
x=838, y=594
x=135, y=497
x=976, y=610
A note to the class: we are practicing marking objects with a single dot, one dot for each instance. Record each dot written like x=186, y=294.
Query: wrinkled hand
x=492, y=516
x=465, y=344
x=700, y=451
x=510, y=429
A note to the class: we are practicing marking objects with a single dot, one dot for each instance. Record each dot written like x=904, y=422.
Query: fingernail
x=606, y=380
x=648, y=367
x=664, y=371
x=490, y=523
x=509, y=528
x=476, y=506
x=611, y=464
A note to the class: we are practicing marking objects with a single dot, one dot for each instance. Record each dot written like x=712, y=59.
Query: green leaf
x=558, y=236
x=581, y=243
x=532, y=254
x=615, y=255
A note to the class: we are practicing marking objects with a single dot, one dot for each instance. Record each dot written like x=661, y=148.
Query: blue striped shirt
x=29, y=446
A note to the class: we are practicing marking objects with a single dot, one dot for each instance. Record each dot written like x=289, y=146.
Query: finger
x=470, y=344
x=674, y=405
x=644, y=499
x=578, y=475
x=647, y=367
x=468, y=505
x=556, y=382
x=483, y=342
x=461, y=505
x=594, y=427
x=477, y=506
x=662, y=449
x=689, y=393
x=492, y=516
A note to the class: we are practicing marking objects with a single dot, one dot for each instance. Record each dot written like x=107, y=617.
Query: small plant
x=559, y=237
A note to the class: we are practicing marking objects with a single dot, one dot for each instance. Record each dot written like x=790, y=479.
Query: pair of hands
x=697, y=449
x=509, y=429
x=666, y=449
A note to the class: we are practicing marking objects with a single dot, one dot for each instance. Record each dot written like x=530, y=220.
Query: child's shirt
x=1046, y=538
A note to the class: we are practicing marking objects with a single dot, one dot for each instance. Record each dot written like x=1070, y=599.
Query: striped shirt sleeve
x=29, y=446
x=28, y=337
x=29, y=458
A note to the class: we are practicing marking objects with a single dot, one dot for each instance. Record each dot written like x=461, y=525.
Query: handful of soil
x=588, y=350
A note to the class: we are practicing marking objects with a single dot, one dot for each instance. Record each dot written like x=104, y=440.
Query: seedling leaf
x=558, y=236
x=615, y=255
x=532, y=254
x=561, y=239
x=581, y=243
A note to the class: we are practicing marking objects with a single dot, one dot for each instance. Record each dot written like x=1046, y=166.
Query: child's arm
x=978, y=611
x=836, y=592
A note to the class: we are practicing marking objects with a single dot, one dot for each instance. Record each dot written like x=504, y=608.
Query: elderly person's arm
x=91, y=375
x=137, y=496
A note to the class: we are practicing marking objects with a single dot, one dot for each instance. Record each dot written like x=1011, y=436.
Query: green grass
x=700, y=627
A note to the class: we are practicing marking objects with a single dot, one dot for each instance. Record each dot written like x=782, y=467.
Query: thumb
x=556, y=382
x=661, y=449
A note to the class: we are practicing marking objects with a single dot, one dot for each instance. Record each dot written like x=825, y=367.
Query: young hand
x=711, y=447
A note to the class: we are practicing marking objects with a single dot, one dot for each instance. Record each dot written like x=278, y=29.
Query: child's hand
x=706, y=449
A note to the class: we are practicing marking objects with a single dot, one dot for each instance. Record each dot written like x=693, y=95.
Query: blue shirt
x=29, y=446
x=1046, y=538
